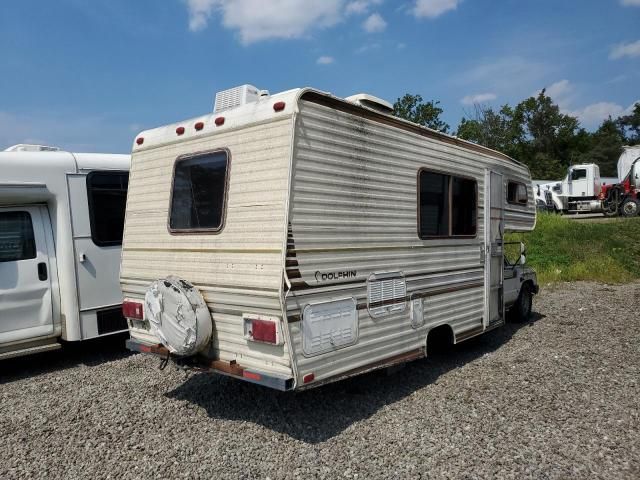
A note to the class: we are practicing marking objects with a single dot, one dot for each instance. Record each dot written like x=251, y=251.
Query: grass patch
x=563, y=250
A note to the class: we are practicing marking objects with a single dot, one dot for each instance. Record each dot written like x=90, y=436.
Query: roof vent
x=236, y=97
x=25, y=147
x=371, y=102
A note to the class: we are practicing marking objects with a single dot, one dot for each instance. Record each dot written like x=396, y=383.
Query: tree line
x=535, y=132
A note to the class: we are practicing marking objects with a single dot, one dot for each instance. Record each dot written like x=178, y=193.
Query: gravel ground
x=554, y=398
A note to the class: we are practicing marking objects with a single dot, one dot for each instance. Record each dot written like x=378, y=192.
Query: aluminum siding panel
x=354, y=208
x=238, y=270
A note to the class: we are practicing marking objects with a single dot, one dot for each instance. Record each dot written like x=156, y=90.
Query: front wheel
x=523, y=305
x=630, y=207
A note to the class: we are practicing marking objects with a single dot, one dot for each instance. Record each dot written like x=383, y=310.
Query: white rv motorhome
x=61, y=221
x=296, y=239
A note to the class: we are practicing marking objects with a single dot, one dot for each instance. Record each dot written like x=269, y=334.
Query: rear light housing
x=132, y=309
x=263, y=329
x=279, y=106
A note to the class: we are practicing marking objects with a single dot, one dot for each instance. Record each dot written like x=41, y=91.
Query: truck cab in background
x=580, y=189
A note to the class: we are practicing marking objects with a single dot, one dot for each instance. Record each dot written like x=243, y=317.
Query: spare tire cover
x=178, y=315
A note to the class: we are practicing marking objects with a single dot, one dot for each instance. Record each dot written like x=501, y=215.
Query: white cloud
x=559, y=90
x=360, y=7
x=592, y=115
x=367, y=47
x=325, y=60
x=374, y=23
x=478, y=98
x=433, y=8
x=621, y=50
x=630, y=3
x=254, y=21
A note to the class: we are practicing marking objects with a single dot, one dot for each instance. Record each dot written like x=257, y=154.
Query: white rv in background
x=61, y=221
x=296, y=239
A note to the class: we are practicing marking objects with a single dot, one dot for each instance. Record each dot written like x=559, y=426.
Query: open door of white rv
x=26, y=308
x=494, y=249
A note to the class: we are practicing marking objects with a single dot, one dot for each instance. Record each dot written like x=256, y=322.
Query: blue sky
x=88, y=75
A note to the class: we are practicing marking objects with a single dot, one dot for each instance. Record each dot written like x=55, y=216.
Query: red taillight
x=264, y=331
x=132, y=310
x=140, y=140
x=279, y=106
x=252, y=375
x=199, y=126
x=309, y=377
x=180, y=130
x=219, y=121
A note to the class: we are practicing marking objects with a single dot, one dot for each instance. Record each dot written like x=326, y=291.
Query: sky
x=88, y=75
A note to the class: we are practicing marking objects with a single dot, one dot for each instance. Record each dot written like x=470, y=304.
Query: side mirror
x=523, y=253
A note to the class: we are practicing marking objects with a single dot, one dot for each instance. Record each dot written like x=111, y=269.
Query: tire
x=630, y=207
x=610, y=213
x=522, y=308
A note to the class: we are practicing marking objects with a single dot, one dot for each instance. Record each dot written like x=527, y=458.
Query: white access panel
x=328, y=326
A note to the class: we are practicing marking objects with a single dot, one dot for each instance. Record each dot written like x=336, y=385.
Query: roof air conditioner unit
x=25, y=147
x=237, y=96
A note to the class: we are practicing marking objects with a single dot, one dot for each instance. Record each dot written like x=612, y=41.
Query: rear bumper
x=229, y=369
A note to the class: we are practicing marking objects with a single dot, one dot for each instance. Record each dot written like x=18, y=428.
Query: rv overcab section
x=298, y=238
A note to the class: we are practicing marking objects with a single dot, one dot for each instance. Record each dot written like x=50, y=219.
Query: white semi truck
x=583, y=190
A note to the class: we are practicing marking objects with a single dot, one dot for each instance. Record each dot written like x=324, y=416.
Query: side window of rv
x=447, y=205
x=107, y=194
x=517, y=193
x=198, y=194
x=17, y=241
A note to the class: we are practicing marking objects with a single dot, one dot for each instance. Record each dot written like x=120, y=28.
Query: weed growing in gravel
x=564, y=250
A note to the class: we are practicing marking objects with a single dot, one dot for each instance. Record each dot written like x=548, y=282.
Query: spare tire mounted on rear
x=178, y=315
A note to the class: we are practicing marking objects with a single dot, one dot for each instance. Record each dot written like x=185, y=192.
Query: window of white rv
x=107, y=194
x=447, y=205
x=517, y=193
x=198, y=194
x=17, y=241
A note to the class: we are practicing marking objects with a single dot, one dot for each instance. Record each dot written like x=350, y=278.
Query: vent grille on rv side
x=386, y=294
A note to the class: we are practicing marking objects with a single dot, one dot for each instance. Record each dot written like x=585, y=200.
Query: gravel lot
x=555, y=398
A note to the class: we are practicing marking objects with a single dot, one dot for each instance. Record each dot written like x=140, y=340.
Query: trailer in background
x=61, y=221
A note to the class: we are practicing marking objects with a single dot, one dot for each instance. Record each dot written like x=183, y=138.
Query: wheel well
x=529, y=283
x=439, y=339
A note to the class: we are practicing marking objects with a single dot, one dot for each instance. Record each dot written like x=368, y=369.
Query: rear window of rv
x=447, y=205
x=517, y=193
x=199, y=195
x=16, y=237
x=107, y=193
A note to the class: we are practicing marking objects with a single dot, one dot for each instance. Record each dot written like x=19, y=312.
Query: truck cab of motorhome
x=61, y=221
x=298, y=238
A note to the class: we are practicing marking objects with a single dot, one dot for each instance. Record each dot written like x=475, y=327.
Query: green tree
x=496, y=130
x=630, y=125
x=605, y=147
x=413, y=108
x=552, y=140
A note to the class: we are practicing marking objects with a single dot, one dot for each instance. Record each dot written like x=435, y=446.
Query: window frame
x=516, y=202
x=223, y=217
x=451, y=176
x=92, y=222
x=33, y=234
